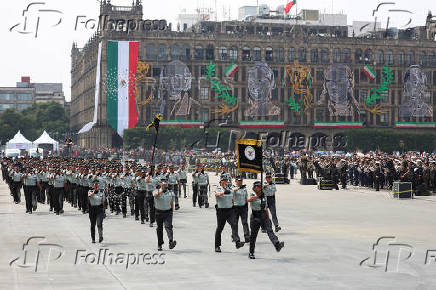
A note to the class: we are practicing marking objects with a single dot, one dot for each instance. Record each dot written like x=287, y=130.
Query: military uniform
x=183, y=178
x=141, y=188
x=173, y=185
x=16, y=185
x=58, y=196
x=195, y=175
x=30, y=180
x=163, y=200
x=241, y=210
x=96, y=212
x=270, y=192
x=259, y=218
x=203, y=182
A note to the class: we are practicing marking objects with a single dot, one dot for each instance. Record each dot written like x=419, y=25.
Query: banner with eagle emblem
x=249, y=153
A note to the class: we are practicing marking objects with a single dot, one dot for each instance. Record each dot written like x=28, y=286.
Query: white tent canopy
x=19, y=142
x=46, y=139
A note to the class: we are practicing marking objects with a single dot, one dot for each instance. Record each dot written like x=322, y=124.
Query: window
x=6, y=106
x=302, y=54
x=314, y=55
x=6, y=97
x=358, y=56
x=347, y=55
x=222, y=53
x=432, y=59
x=162, y=52
x=337, y=55
x=21, y=107
x=319, y=75
x=246, y=54
x=379, y=57
x=401, y=59
x=363, y=94
x=150, y=51
x=175, y=52
x=269, y=54
x=423, y=59
x=187, y=52
x=204, y=115
x=384, y=118
x=280, y=54
x=24, y=97
x=210, y=52
x=410, y=58
x=325, y=58
x=368, y=58
x=319, y=115
x=257, y=54
x=198, y=52
x=292, y=54
x=204, y=93
x=389, y=57
x=233, y=53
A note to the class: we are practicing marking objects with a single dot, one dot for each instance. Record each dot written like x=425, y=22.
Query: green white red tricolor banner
x=122, y=60
x=415, y=125
x=369, y=72
x=262, y=124
x=231, y=70
x=338, y=125
x=180, y=123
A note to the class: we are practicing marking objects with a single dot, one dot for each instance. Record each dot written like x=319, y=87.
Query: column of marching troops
x=152, y=193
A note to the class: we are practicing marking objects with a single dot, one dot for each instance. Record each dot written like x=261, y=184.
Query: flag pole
x=154, y=147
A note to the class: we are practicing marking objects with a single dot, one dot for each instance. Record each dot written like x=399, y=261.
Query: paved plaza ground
x=327, y=234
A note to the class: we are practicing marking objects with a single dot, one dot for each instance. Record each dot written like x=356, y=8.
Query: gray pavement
x=327, y=235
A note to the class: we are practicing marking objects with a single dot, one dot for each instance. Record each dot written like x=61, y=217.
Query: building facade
x=306, y=79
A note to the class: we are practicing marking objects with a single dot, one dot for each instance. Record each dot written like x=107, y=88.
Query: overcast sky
x=46, y=58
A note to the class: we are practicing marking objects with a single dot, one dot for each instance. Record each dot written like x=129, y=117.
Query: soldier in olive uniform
x=164, y=205
x=173, y=184
x=16, y=185
x=270, y=193
x=59, y=183
x=183, y=180
x=259, y=218
x=30, y=180
x=225, y=213
x=203, y=183
x=141, y=187
x=96, y=199
x=240, y=205
x=195, y=175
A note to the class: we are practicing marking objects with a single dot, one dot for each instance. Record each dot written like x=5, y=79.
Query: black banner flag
x=249, y=152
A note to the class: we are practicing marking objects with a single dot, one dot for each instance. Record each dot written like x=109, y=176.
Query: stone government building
x=336, y=97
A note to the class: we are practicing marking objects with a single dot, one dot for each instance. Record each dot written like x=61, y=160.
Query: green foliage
x=175, y=138
x=389, y=140
x=294, y=105
x=220, y=91
x=381, y=92
x=33, y=121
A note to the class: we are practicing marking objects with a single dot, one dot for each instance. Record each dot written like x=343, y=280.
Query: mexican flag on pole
x=122, y=59
x=289, y=5
x=369, y=72
x=231, y=70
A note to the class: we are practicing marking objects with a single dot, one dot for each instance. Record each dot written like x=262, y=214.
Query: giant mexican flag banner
x=122, y=59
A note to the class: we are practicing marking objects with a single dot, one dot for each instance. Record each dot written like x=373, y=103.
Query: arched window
x=314, y=55
x=401, y=59
x=368, y=56
x=410, y=58
x=257, y=54
x=347, y=55
x=233, y=53
x=432, y=59
x=223, y=53
x=302, y=54
x=162, y=52
x=269, y=54
x=379, y=57
x=186, y=53
x=246, y=54
x=337, y=55
x=358, y=56
x=150, y=51
x=325, y=55
x=210, y=52
x=280, y=54
x=198, y=52
x=389, y=57
x=292, y=56
x=423, y=59
x=175, y=52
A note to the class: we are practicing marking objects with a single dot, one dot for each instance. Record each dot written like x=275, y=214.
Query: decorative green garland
x=380, y=92
x=220, y=91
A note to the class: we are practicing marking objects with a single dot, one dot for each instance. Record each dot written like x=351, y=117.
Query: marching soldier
x=96, y=199
x=195, y=175
x=150, y=186
x=270, y=193
x=16, y=184
x=30, y=191
x=183, y=180
x=203, y=184
x=59, y=184
x=164, y=205
x=240, y=205
x=225, y=213
x=259, y=217
x=140, y=195
x=174, y=182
